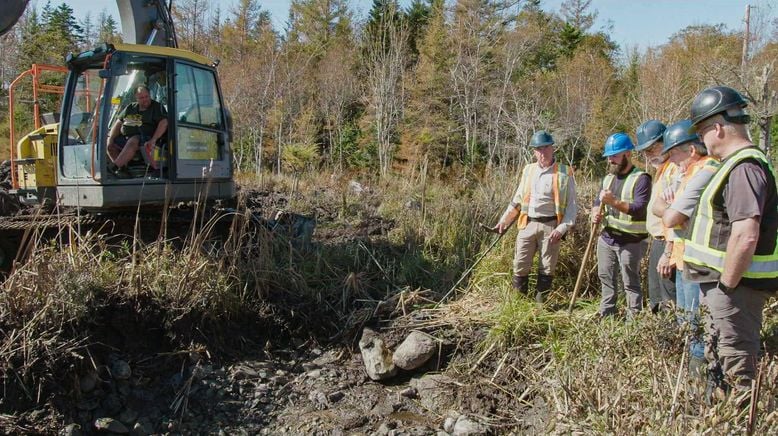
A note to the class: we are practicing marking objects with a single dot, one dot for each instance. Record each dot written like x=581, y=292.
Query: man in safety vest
x=661, y=287
x=684, y=148
x=622, y=244
x=546, y=209
x=731, y=247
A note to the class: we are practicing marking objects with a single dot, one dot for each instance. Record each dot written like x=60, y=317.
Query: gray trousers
x=624, y=260
x=732, y=324
x=660, y=290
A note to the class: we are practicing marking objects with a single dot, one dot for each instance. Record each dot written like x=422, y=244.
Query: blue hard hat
x=648, y=133
x=677, y=134
x=541, y=138
x=617, y=143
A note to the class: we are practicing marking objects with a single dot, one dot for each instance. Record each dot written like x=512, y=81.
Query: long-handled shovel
x=480, y=258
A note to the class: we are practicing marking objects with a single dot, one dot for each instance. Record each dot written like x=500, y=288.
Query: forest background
x=450, y=90
x=449, y=86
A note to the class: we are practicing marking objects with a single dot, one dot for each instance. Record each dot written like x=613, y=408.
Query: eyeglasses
x=701, y=130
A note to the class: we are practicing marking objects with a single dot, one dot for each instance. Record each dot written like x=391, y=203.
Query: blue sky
x=632, y=23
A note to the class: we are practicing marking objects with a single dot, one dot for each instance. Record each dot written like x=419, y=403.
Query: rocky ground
x=391, y=379
x=298, y=388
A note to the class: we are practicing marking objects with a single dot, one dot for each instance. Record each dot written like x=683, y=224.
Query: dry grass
x=577, y=374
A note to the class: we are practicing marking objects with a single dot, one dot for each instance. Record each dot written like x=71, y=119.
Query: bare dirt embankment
x=292, y=365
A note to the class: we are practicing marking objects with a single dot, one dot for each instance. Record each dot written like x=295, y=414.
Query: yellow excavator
x=65, y=162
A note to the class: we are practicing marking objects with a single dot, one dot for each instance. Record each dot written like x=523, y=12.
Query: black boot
x=521, y=284
x=543, y=286
x=698, y=367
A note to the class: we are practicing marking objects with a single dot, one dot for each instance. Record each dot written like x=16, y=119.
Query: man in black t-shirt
x=140, y=124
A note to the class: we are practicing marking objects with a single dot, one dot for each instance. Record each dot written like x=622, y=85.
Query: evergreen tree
x=317, y=23
x=417, y=17
x=428, y=129
x=32, y=47
x=90, y=31
x=107, y=30
x=62, y=24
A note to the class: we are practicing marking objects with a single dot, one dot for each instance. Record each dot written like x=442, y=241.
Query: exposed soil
x=280, y=373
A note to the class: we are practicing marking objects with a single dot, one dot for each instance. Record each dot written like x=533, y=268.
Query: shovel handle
x=487, y=228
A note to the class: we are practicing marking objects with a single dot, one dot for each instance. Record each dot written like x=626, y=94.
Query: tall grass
x=394, y=238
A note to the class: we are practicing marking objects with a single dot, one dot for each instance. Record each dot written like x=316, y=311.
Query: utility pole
x=746, y=37
x=766, y=121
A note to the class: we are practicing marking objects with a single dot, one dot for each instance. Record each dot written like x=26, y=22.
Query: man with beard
x=661, y=285
x=622, y=244
x=546, y=209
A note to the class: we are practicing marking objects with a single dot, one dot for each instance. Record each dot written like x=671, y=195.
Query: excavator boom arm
x=13, y=10
x=146, y=22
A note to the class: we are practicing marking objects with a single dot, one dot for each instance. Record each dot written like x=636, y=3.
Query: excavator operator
x=142, y=123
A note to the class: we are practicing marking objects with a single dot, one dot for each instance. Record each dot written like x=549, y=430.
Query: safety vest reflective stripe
x=561, y=175
x=622, y=221
x=762, y=266
x=698, y=247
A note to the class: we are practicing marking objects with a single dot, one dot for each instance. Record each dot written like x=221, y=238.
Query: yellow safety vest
x=706, y=163
x=621, y=221
x=562, y=174
x=707, y=242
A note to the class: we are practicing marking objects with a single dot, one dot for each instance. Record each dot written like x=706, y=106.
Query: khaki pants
x=530, y=240
x=732, y=323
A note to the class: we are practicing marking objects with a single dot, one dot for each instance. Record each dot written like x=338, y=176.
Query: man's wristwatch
x=724, y=288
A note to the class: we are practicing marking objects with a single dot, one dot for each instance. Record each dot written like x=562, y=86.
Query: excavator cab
x=67, y=162
x=191, y=161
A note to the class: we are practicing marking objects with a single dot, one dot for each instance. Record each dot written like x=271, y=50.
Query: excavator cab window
x=149, y=72
x=116, y=86
x=80, y=125
x=199, y=114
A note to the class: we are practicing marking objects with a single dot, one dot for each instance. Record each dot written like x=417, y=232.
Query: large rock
x=71, y=430
x=434, y=392
x=467, y=427
x=414, y=351
x=376, y=356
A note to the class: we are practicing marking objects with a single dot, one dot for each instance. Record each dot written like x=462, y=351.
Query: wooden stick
x=478, y=260
x=593, y=233
x=753, y=407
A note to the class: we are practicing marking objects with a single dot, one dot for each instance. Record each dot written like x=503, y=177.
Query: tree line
x=444, y=84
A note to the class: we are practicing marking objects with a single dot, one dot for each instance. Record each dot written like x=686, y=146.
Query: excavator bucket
x=13, y=9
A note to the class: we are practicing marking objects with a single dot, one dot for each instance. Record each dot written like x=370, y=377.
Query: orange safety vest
x=561, y=175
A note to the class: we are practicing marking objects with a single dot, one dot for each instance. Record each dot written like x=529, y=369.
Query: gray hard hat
x=648, y=133
x=541, y=138
x=716, y=100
